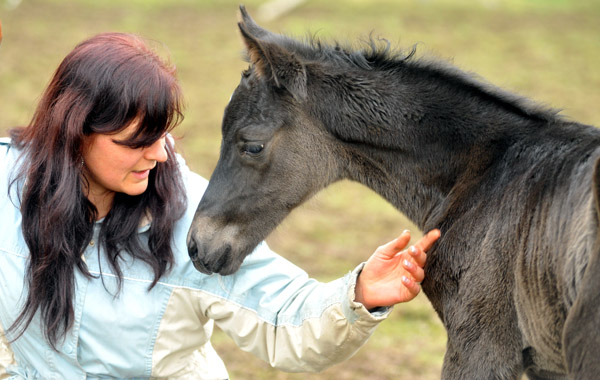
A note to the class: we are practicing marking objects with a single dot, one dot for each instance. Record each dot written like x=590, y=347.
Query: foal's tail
x=581, y=336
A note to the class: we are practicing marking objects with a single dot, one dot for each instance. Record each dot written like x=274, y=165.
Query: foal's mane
x=377, y=54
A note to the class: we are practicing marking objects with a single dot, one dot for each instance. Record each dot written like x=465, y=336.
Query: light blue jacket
x=269, y=307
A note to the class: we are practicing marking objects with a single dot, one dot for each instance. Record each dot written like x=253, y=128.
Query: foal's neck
x=428, y=135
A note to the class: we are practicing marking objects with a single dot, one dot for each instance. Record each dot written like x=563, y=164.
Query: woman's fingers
x=411, y=285
x=417, y=272
x=393, y=247
x=417, y=252
x=427, y=241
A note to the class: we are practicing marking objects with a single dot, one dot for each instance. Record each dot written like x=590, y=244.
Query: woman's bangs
x=158, y=111
x=147, y=133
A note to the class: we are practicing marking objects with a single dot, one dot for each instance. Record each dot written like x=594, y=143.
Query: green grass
x=548, y=50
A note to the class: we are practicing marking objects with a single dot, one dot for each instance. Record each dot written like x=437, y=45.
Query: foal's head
x=274, y=155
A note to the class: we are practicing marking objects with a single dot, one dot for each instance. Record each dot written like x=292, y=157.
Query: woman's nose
x=157, y=151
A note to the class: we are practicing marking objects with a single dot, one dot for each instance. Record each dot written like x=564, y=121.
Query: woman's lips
x=141, y=174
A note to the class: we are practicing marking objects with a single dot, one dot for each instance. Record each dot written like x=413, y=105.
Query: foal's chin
x=209, y=259
x=224, y=271
x=220, y=266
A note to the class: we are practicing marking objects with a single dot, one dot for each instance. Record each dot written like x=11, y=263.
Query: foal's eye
x=252, y=148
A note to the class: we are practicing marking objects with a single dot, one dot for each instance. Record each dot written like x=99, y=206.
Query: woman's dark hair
x=102, y=86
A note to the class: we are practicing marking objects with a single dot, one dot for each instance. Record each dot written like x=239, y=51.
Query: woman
x=95, y=278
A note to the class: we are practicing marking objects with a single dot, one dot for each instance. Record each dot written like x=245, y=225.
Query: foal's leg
x=484, y=341
x=478, y=357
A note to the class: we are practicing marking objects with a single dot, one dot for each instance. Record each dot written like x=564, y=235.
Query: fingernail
x=408, y=264
x=413, y=250
x=406, y=280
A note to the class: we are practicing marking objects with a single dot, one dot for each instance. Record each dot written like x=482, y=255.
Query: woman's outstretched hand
x=392, y=275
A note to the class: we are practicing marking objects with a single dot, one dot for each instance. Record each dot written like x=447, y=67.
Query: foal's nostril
x=192, y=248
x=197, y=257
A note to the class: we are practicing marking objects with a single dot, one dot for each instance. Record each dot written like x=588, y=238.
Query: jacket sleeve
x=272, y=309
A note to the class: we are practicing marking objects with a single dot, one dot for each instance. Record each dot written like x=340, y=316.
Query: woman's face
x=111, y=167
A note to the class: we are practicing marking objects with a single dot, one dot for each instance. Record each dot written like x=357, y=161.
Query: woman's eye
x=252, y=148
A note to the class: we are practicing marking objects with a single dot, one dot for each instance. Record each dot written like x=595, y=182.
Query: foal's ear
x=251, y=26
x=271, y=60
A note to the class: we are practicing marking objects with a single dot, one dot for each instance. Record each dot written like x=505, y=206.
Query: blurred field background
x=548, y=50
